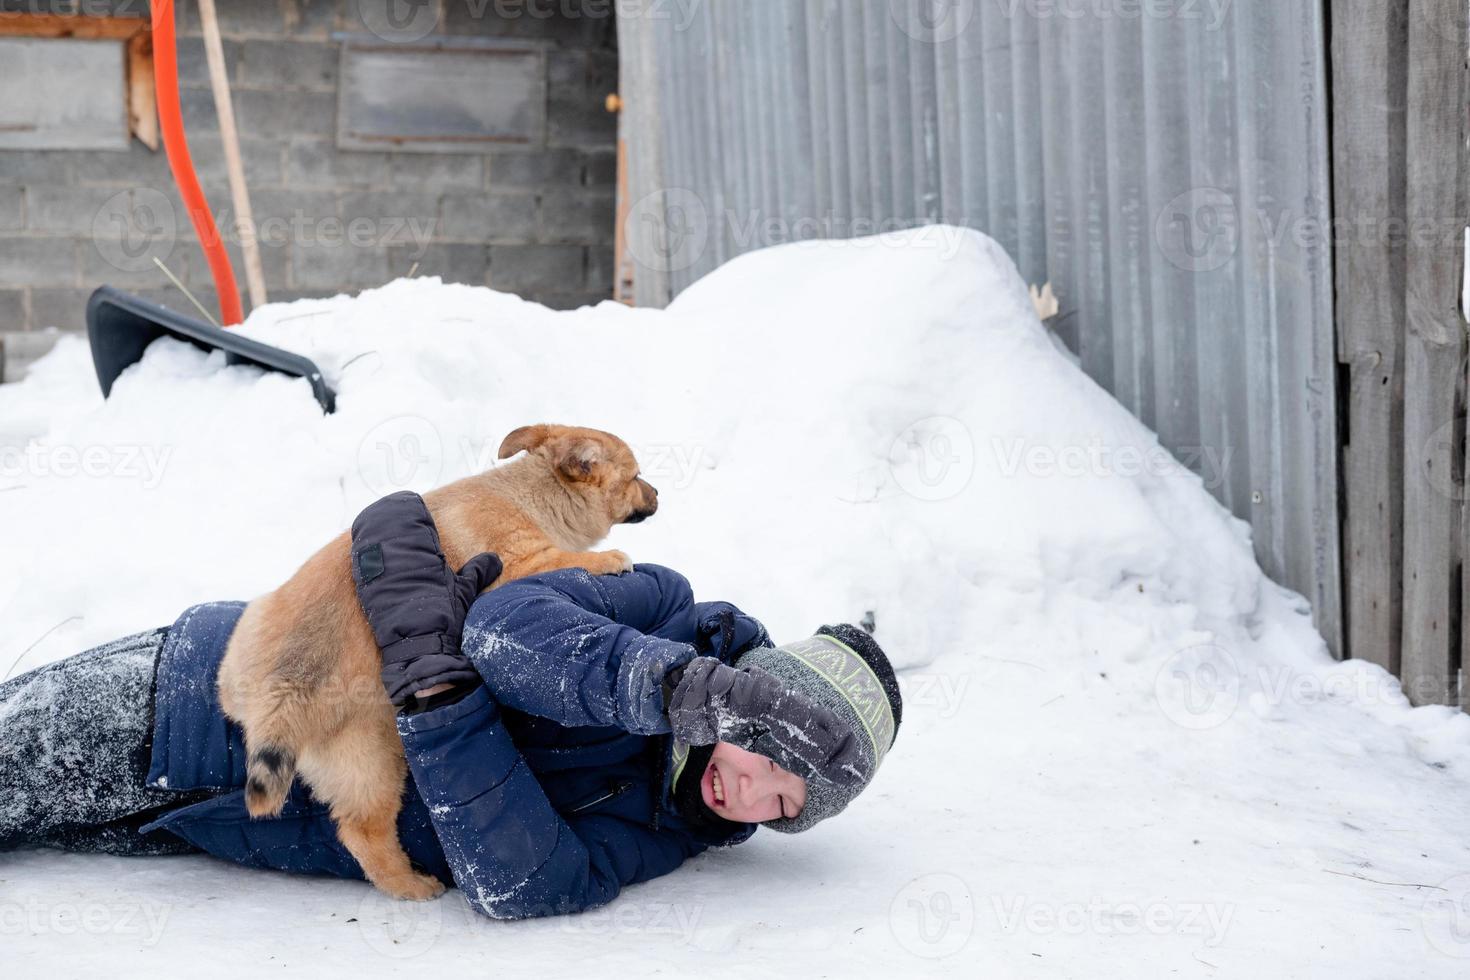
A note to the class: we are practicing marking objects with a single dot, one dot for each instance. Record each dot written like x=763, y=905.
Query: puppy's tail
x=268, y=774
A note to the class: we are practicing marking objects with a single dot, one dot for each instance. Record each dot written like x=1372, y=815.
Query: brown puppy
x=301, y=673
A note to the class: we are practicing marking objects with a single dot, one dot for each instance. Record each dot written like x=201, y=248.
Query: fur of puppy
x=301, y=672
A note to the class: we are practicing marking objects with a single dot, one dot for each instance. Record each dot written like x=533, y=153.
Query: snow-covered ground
x=1125, y=752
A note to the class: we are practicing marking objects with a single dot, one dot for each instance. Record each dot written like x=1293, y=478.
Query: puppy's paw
x=613, y=563
x=412, y=887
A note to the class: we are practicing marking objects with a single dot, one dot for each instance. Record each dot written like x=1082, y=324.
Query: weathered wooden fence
x=1399, y=77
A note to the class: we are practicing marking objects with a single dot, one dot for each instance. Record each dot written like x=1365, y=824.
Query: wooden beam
x=67, y=25
x=1434, y=353
x=1370, y=42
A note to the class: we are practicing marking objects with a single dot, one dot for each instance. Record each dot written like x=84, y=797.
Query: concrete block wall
x=537, y=221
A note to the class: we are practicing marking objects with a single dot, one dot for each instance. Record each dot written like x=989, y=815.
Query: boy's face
x=745, y=787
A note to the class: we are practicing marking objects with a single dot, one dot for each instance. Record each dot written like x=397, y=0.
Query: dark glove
x=747, y=707
x=414, y=603
x=723, y=631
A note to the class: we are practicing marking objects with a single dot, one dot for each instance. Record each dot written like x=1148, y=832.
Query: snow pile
x=1120, y=738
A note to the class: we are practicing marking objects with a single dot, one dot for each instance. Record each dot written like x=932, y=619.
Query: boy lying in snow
x=583, y=733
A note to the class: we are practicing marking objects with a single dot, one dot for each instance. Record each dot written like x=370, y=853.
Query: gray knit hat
x=842, y=668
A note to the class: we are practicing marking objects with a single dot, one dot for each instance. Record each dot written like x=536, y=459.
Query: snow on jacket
x=543, y=792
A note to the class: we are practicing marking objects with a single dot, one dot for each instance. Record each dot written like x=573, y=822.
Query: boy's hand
x=747, y=707
x=414, y=603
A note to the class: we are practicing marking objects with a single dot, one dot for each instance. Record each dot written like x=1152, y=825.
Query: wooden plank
x=142, y=98
x=622, y=261
x=639, y=126
x=1434, y=372
x=67, y=25
x=1370, y=40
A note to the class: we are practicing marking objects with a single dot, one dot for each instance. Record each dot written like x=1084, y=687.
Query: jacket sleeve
x=582, y=650
x=510, y=852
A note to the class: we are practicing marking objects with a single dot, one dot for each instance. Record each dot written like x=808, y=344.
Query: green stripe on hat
x=851, y=676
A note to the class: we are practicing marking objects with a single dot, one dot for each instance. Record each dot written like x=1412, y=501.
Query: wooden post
x=1370, y=40
x=639, y=126
x=244, y=219
x=1434, y=353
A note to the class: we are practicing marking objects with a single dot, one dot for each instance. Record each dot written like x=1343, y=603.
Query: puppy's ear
x=526, y=437
x=576, y=456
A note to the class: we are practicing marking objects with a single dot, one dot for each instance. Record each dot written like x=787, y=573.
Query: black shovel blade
x=121, y=326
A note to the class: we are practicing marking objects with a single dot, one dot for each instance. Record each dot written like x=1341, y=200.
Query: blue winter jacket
x=542, y=792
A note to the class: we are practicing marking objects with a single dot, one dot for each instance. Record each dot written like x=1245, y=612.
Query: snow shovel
x=120, y=327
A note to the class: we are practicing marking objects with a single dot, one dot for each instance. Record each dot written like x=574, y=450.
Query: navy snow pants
x=75, y=738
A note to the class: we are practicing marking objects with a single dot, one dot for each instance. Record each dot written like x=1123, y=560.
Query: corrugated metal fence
x=1162, y=162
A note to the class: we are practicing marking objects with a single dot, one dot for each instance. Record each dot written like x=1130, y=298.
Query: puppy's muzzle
x=647, y=508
